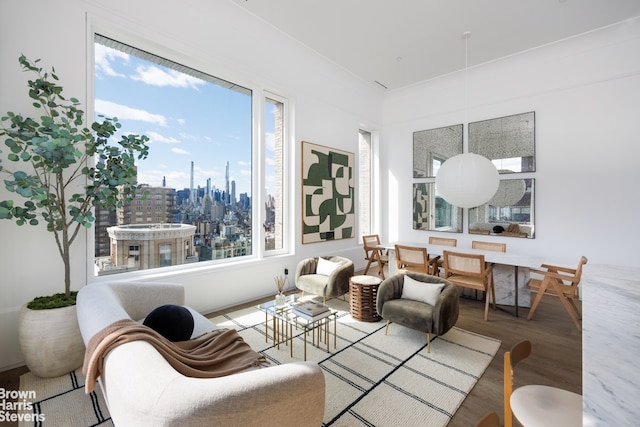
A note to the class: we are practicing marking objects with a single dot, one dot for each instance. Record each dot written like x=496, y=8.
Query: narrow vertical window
x=274, y=174
x=364, y=183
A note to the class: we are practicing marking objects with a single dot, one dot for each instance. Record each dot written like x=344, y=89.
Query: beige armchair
x=397, y=304
x=327, y=276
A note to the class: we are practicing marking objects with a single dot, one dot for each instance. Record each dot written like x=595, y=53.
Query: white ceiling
x=400, y=42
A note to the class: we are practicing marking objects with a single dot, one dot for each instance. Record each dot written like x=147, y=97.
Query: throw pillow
x=421, y=291
x=173, y=322
x=326, y=267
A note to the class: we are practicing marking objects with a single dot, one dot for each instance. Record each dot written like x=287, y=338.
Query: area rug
x=371, y=379
x=61, y=401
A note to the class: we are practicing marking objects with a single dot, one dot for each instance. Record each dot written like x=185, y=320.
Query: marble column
x=610, y=345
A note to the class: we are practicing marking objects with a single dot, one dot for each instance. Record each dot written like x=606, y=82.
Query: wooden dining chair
x=489, y=246
x=411, y=259
x=518, y=352
x=533, y=404
x=490, y=419
x=561, y=282
x=442, y=241
x=373, y=254
x=470, y=271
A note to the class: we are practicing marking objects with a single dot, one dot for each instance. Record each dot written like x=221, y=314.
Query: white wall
x=585, y=92
x=217, y=37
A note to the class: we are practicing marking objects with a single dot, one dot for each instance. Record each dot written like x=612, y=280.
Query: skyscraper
x=226, y=188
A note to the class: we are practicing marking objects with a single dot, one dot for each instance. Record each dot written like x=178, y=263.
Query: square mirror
x=509, y=213
x=432, y=147
x=432, y=212
x=509, y=142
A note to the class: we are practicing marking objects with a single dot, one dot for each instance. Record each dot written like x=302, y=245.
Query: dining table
x=511, y=269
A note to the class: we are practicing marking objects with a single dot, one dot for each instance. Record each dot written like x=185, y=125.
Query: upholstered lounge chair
x=142, y=388
x=434, y=319
x=327, y=276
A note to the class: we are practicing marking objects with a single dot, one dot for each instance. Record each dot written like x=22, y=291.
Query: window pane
x=274, y=172
x=198, y=175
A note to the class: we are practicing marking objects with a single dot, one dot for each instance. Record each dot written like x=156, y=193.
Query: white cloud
x=103, y=57
x=122, y=112
x=181, y=122
x=180, y=151
x=156, y=76
x=156, y=137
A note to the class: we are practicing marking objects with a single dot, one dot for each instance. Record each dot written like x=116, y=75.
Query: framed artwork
x=509, y=142
x=432, y=147
x=328, y=193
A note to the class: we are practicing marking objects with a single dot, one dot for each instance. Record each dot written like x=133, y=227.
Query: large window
x=197, y=180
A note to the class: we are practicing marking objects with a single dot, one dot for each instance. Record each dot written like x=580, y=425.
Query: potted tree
x=61, y=170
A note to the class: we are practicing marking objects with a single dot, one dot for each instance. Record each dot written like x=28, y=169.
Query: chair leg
x=368, y=265
x=428, y=342
x=575, y=308
x=567, y=306
x=543, y=288
x=387, y=328
x=486, y=307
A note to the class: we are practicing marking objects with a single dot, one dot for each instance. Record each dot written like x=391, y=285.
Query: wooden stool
x=363, y=290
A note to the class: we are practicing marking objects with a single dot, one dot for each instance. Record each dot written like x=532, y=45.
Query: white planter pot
x=50, y=340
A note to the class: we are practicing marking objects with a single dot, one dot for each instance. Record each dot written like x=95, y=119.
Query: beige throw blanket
x=216, y=354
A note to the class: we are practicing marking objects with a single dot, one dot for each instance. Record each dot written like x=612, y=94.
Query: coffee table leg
x=266, y=327
x=291, y=340
x=305, y=347
x=326, y=331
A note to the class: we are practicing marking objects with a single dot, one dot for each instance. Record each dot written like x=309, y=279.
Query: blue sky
x=186, y=119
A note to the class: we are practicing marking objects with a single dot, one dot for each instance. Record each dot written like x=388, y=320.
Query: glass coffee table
x=284, y=319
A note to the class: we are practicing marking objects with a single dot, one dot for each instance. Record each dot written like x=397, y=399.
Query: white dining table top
x=544, y=406
x=506, y=258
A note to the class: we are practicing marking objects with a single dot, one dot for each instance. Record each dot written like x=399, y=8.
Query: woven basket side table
x=364, y=290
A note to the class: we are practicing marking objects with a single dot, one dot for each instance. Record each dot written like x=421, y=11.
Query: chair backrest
x=369, y=243
x=412, y=257
x=518, y=352
x=443, y=241
x=461, y=263
x=578, y=276
x=489, y=246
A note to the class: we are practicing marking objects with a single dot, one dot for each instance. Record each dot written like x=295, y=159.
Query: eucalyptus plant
x=60, y=168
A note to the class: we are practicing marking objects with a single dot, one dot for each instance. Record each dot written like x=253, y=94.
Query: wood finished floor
x=556, y=359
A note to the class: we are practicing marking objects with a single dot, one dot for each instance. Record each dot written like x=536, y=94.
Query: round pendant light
x=467, y=180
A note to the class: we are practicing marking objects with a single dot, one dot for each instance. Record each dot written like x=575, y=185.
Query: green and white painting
x=328, y=193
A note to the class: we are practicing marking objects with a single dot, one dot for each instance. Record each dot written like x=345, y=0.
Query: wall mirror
x=432, y=147
x=509, y=213
x=432, y=212
x=509, y=142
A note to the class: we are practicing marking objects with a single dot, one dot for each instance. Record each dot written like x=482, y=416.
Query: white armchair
x=141, y=388
x=327, y=276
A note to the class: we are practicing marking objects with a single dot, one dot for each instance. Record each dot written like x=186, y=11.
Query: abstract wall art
x=328, y=193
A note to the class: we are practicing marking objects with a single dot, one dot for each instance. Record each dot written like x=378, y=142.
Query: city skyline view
x=185, y=117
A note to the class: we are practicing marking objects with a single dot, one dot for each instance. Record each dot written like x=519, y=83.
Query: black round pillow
x=173, y=322
x=498, y=229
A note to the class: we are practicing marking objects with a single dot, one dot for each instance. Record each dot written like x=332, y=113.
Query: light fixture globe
x=467, y=180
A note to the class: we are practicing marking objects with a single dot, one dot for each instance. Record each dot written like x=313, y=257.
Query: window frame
x=259, y=95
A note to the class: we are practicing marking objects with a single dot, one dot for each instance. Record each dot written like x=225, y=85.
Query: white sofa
x=141, y=388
